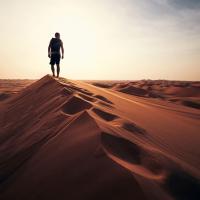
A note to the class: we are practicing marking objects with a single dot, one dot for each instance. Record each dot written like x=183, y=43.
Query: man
x=54, y=53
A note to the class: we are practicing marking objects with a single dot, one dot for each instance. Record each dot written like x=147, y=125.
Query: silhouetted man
x=54, y=53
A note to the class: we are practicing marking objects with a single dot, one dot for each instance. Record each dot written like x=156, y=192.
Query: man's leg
x=52, y=69
x=58, y=69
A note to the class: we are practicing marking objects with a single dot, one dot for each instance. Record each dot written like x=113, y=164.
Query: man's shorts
x=55, y=59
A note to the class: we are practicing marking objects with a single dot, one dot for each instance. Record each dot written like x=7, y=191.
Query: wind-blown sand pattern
x=64, y=139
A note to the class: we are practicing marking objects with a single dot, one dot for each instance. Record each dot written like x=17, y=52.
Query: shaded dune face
x=104, y=115
x=182, y=185
x=4, y=96
x=61, y=141
x=102, y=85
x=133, y=157
x=134, y=91
x=87, y=97
x=191, y=104
x=133, y=128
x=121, y=148
x=74, y=105
x=103, y=99
x=66, y=91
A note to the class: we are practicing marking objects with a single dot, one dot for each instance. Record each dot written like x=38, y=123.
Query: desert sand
x=8, y=87
x=66, y=139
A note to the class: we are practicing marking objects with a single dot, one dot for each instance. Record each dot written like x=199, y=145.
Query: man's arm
x=49, y=50
x=62, y=49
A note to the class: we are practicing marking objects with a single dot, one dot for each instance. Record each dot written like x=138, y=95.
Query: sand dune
x=133, y=90
x=64, y=139
x=179, y=92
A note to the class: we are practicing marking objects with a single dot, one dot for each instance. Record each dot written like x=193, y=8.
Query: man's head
x=57, y=35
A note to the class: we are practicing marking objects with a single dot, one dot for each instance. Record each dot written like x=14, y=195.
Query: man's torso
x=55, y=45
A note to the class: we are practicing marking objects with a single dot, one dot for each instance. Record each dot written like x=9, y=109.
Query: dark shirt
x=55, y=45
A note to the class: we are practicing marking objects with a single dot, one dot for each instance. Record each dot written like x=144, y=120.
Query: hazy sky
x=103, y=39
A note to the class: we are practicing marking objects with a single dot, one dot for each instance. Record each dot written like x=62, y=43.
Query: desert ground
x=68, y=139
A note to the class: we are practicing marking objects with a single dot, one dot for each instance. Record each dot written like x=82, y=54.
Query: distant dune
x=186, y=93
x=64, y=139
x=8, y=87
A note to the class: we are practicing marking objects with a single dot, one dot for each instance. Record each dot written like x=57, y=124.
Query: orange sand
x=64, y=139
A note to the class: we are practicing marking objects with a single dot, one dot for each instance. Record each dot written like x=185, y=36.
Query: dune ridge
x=60, y=140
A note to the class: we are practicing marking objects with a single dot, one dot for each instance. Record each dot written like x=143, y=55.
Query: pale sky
x=103, y=39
